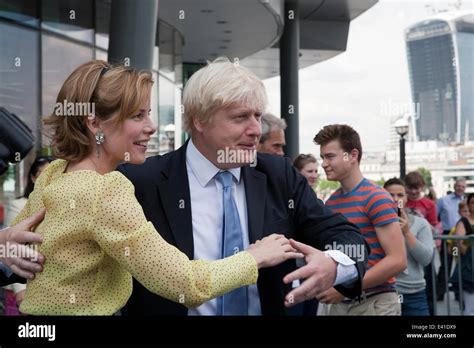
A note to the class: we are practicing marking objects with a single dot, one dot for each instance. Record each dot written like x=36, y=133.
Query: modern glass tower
x=440, y=60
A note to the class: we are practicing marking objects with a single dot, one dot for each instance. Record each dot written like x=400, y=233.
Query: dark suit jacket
x=4, y=280
x=279, y=200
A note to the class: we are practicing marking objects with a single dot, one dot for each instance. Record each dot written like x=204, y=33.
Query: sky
x=357, y=86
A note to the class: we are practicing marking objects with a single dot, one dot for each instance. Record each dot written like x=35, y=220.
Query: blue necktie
x=234, y=302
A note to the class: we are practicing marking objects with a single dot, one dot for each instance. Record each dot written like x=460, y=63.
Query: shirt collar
x=203, y=169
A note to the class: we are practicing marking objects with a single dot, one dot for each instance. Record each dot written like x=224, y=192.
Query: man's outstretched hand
x=319, y=274
x=20, y=257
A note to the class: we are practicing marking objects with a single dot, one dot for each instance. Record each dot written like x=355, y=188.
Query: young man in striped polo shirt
x=372, y=209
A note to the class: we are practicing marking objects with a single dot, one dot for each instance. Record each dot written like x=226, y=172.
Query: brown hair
x=414, y=179
x=301, y=160
x=346, y=135
x=393, y=181
x=107, y=90
x=462, y=205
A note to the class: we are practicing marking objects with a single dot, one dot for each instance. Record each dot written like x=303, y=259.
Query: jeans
x=415, y=304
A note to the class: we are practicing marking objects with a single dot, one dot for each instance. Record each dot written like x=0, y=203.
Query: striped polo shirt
x=367, y=206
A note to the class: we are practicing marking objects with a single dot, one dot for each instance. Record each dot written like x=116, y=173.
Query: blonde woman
x=307, y=165
x=95, y=235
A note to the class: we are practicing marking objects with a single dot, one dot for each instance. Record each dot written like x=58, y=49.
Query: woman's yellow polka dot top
x=96, y=237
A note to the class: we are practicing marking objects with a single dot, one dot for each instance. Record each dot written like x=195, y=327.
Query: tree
x=380, y=182
x=426, y=174
x=326, y=187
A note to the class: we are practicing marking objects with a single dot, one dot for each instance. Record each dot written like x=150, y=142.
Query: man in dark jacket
x=194, y=195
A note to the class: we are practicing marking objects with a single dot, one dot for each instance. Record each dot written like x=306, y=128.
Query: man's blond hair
x=219, y=85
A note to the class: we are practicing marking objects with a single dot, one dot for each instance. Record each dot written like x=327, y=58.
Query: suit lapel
x=255, y=192
x=176, y=201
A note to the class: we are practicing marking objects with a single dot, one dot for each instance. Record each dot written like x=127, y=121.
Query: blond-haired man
x=215, y=195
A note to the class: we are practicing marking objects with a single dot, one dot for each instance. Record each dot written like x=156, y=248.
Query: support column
x=132, y=32
x=289, y=55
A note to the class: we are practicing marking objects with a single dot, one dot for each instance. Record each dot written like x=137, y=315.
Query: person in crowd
x=419, y=245
x=272, y=140
x=372, y=209
x=463, y=210
x=453, y=249
x=415, y=185
x=307, y=165
x=465, y=227
x=448, y=212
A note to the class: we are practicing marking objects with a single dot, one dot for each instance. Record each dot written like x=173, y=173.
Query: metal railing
x=447, y=270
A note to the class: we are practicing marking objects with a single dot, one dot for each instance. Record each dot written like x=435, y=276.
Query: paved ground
x=442, y=306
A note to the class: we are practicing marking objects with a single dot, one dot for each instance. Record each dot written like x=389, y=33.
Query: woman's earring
x=99, y=140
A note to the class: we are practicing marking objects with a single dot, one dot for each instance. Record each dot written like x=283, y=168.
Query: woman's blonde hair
x=97, y=86
x=219, y=85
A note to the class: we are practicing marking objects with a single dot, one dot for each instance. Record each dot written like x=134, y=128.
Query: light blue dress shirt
x=207, y=212
x=448, y=210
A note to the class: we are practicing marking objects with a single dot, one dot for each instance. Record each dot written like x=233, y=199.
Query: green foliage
x=426, y=174
x=325, y=188
x=324, y=184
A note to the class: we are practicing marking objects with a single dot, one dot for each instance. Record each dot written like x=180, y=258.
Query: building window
x=166, y=133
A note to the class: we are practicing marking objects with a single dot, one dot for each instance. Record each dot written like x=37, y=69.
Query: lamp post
x=402, y=126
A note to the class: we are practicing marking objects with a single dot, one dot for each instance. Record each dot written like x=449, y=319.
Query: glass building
x=440, y=59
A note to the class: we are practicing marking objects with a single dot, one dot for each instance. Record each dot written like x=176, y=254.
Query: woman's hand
x=273, y=250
